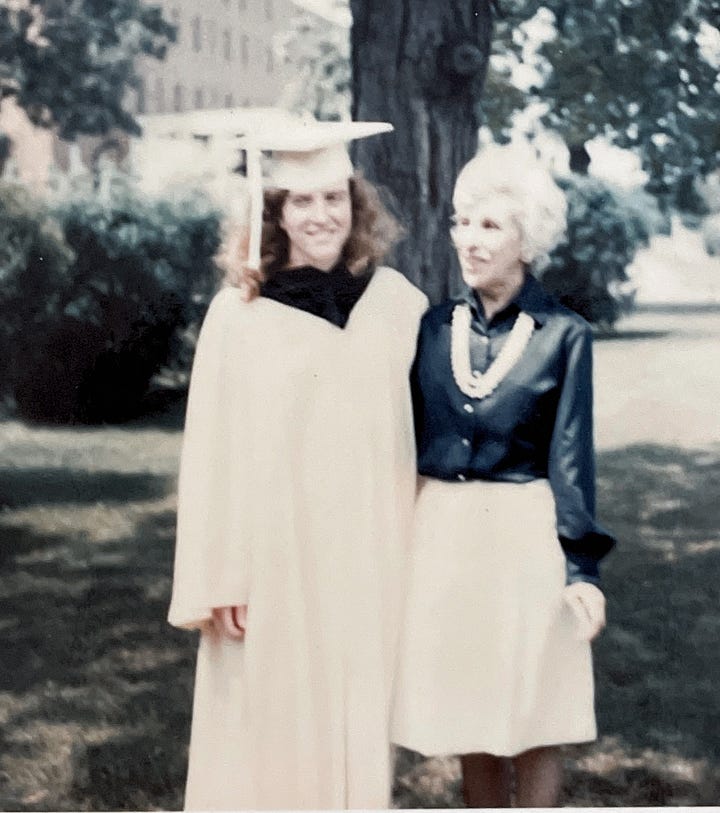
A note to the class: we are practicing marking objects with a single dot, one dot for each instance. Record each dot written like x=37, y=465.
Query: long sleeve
x=571, y=465
x=211, y=548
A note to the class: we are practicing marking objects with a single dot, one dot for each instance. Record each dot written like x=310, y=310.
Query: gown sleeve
x=212, y=544
x=571, y=466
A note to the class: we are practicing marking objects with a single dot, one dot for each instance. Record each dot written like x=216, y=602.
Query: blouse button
x=465, y=442
x=468, y=408
x=461, y=478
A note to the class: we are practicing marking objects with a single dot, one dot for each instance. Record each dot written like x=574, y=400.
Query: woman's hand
x=231, y=621
x=232, y=259
x=248, y=280
x=588, y=604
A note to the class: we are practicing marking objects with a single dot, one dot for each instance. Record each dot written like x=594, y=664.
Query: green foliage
x=105, y=323
x=34, y=262
x=606, y=227
x=319, y=56
x=642, y=73
x=500, y=100
x=70, y=62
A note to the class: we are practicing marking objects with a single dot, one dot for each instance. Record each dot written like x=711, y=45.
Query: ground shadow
x=657, y=662
x=101, y=684
x=635, y=787
x=163, y=409
x=96, y=689
x=630, y=335
x=153, y=770
x=21, y=487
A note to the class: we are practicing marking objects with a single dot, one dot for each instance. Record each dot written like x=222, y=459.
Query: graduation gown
x=296, y=487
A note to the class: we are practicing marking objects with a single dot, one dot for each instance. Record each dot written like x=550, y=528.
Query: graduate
x=296, y=489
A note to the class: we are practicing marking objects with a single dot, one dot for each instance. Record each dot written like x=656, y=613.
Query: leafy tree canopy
x=69, y=63
x=318, y=55
x=644, y=73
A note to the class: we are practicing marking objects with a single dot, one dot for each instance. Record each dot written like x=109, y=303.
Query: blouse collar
x=532, y=298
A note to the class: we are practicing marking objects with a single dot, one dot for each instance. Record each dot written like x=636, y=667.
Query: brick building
x=225, y=56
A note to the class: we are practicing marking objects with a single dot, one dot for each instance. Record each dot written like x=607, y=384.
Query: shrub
x=606, y=227
x=142, y=272
x=34, y=263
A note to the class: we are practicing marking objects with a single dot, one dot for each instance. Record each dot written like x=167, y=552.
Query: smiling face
x=317, y=224
x=488, y=241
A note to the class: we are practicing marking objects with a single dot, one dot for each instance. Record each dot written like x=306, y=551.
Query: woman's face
x=317, y=225
x=488, y=241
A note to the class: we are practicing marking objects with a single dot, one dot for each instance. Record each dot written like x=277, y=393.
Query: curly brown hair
x=374, y=231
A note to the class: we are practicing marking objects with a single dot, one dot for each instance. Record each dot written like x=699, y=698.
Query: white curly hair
x=515, y=172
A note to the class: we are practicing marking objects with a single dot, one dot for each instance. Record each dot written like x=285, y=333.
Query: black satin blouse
x=536, y=424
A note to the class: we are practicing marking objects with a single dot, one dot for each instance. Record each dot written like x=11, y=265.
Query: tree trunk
x=420, y=64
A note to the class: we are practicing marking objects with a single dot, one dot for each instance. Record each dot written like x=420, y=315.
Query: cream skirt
x=490, y=659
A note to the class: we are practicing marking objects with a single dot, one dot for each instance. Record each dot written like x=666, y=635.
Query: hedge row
x=94, y=295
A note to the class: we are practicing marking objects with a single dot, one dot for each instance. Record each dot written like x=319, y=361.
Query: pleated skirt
x=490, y=659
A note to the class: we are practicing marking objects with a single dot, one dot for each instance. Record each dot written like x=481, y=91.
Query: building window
x=227, y=45
x=214, y=98
x=270, y=60
x=245, y=50
x=159, y=96
x=211, y=35
x=229, y=102
x=199, y=99
x=269, y=11
x=178, y=98
x=196, y=35
x=141, y=103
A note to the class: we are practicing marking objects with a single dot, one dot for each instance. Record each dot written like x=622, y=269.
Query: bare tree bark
x=421, y=65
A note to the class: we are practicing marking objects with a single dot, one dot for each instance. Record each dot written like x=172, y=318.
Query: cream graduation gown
x=296, y=488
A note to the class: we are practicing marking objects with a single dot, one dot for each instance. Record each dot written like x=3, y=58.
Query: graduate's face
x=488, y=241
x=317, y=225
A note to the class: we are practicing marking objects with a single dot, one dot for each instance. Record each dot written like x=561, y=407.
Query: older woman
x=504, y=597
x=295, y=499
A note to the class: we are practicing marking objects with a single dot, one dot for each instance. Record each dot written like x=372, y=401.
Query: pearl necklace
x=480, y=385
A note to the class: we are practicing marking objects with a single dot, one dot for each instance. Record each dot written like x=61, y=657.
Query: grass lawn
x=657, y=663
x=95, y=687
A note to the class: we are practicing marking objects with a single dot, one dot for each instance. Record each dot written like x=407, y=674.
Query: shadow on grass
x=99, y=685
x=658, y=662
x=163, y=409
x=630, y=335
x=631, y=787
x=21, y=487
x=95, y=694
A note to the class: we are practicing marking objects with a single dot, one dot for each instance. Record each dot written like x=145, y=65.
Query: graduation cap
x=306, y=155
